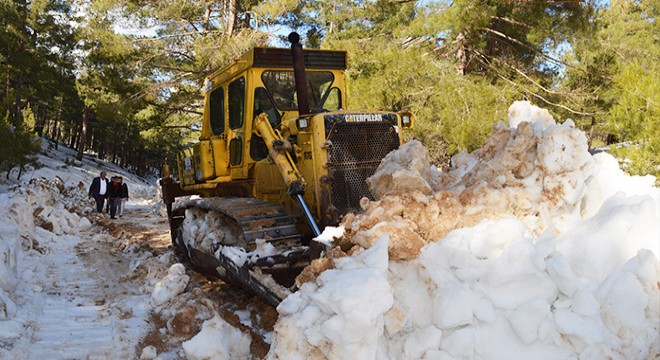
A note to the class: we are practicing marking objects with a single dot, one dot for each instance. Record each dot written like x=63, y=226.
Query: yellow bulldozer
x=278, y=159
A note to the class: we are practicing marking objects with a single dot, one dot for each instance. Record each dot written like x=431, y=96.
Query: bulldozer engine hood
x=332, y=119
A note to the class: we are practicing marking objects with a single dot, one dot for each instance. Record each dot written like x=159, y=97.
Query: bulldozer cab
x=261, y=81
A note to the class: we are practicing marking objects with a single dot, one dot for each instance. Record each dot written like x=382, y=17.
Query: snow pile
x=218, y=341
x=47, y=204
x=33, y=212
x=341, y=314
x=526, y=248
x=535, y=173
x=9, y=247
x=170, y=286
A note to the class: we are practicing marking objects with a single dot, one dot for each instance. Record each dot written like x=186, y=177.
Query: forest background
x=121, y=79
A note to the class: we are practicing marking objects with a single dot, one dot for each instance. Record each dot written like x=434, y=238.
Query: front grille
x=357, y=150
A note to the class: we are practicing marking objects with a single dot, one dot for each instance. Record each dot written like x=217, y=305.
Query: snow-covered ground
x=528, y=248
x=65, y=280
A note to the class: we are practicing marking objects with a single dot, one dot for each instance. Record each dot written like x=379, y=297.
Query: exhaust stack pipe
x=299, y=73
x=298, y=57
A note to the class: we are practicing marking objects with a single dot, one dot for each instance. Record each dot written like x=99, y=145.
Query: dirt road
x=137, y=254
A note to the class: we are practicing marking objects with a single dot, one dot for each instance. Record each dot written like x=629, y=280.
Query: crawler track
x=208, y=231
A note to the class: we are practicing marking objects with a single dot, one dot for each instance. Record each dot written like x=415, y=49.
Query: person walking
x=99, y=190
x=107, y=203
x=114, y=196
x=124, y=196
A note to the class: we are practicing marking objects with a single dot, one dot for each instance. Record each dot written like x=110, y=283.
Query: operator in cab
x=263, y=104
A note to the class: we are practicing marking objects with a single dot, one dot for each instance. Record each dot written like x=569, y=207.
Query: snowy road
x=87, y=299
x=81, y=317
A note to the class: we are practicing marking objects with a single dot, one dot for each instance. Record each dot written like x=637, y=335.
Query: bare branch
x=484, y=60
x=155, y=38
x=159, y=86
x=531, y=48
x=511, y=21
x=192, y=24
x=178, y=69
x=181, y=54
x=173, y=127
x=179, y=109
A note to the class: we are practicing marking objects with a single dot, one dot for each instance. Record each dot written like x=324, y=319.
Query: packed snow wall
x=33, y=213
x=528, y=247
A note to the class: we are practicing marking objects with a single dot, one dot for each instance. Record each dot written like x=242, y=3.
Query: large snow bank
x=528, y=248
x=32, y=213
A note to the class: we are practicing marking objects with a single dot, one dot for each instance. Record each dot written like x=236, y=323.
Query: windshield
x=282, y=86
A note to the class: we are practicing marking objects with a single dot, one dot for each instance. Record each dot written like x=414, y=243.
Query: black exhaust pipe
x=299, y=73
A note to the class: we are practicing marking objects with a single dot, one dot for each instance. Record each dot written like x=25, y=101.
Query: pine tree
x=20, y=147
x=621, y=82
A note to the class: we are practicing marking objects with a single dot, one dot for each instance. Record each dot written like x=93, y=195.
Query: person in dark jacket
x=124, y=196
x=114, y=196
x=99, y=190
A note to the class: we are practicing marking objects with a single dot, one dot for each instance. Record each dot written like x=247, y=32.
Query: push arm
x=278, y=151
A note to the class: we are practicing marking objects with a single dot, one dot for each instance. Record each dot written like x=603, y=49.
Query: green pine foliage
x=19, y=148
x=635, y=118
x=616, y=76
x=453, y=112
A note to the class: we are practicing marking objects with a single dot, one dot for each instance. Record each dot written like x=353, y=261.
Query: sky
x=529, y=247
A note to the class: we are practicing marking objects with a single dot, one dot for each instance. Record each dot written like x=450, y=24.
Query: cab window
x=236, y=151
x=236, y=103
x=282, y=86
x=333, y=100
x=217, y=111
x=263, y=104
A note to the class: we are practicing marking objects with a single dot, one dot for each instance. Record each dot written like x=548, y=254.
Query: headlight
x=407, y=119
x=302, y=123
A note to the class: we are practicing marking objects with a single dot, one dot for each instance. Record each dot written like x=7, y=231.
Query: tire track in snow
x=87, y=311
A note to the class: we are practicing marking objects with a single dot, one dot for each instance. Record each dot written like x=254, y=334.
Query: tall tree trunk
x=231, y=17
x=125, y=144
x=39, y=120
x=17, y=116
x=72, y=138
x=75, y=139
x=462, y=55
x=207, y=17
x=56, y=129
x=7, y=91
x=87, y=112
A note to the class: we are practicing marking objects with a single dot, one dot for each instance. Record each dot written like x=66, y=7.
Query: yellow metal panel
x=220, y=155
x=268, y=179
x=312, y=161
x=186, y=166
x=203, y=158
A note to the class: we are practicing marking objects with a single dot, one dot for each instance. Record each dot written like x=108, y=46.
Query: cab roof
x=280, y=58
